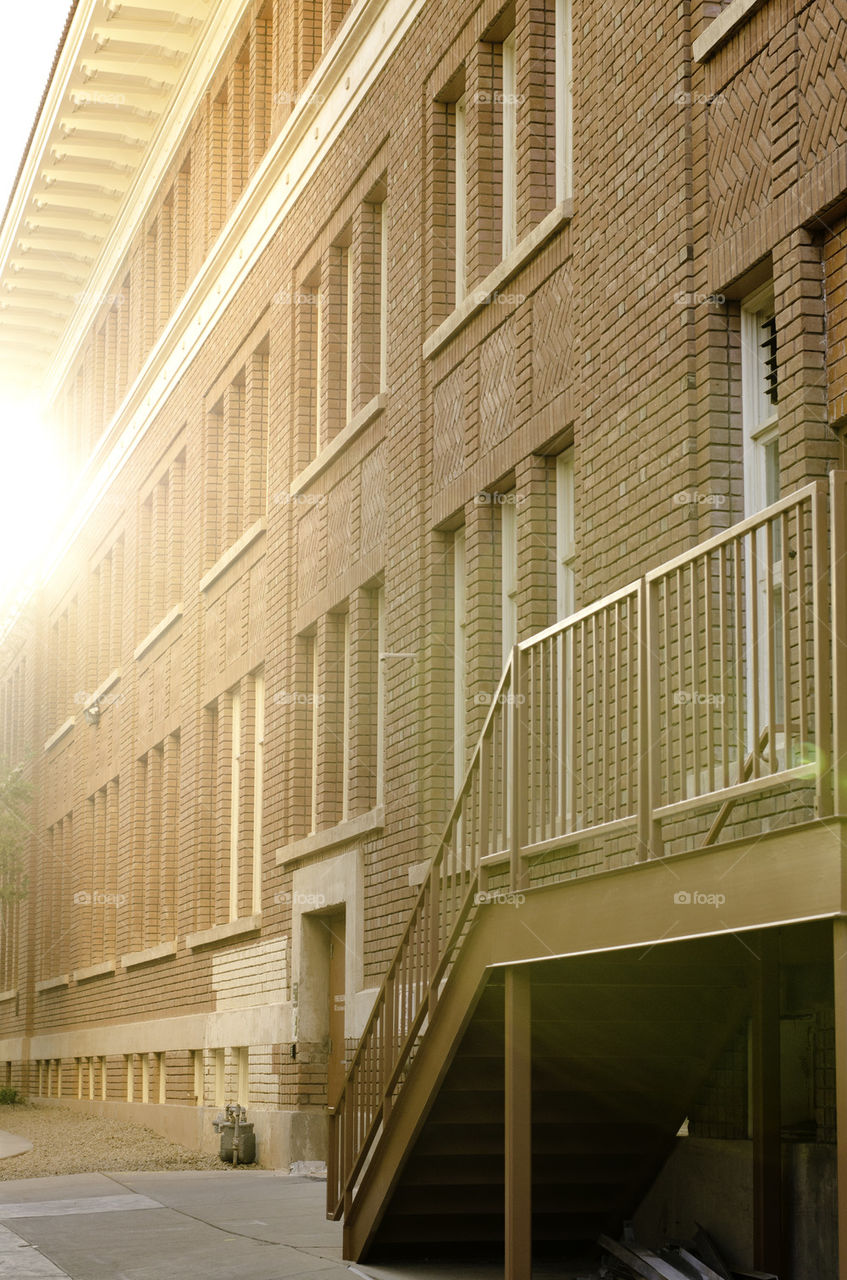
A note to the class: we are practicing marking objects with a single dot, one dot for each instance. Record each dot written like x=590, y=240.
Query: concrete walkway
x=253, y=1224
x=12, y=1145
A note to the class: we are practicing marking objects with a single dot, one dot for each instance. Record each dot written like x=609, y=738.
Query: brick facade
x=259, y=602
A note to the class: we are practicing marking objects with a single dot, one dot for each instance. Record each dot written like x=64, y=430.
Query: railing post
x=649, y=832
x=517, y=772
x=822, y=649
x=838, y=589
x=387, y=1045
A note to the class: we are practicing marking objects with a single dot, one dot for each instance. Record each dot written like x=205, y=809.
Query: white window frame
x=380, y=697
x=348, y=353
x=318, y=369
x=460, y=136
x=346, y=716
x=383, y=296
x=313, y=789
x=565, y=535
x=509, y=120
x=508, y=575
x=459, y=653
x=235, y=801
x=564, y=101
x=258, y=785
x=760, y=419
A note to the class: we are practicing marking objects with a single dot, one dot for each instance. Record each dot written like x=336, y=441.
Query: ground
x=66, y=1141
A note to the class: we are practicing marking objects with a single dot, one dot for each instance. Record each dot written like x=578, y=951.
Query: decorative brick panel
x=448, y=433
x=552, y=338
x=339, y=530
x=497, y=387
x=373, y=499
x=739, y=147
x=822, y=96
x=309, y=534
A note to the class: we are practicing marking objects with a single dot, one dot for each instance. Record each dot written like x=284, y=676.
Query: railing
x=710, y=681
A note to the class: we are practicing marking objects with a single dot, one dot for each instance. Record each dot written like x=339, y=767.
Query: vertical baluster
x=771, y=647
x=617, y=710
x=804, y=680
x=670, y=701
x=696, y=704
x=740, y=682
x=575, y=776
x=723, y=662
x=680, y=665
x=753, y=597
x=786, y=641
x=712, y=700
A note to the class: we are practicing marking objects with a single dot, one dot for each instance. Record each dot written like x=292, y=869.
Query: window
x=565, y=549
x=509, y=575
x=461, y=197
x=380, y=696
x=258, y=785
x=459, y=654
x=235, y=801
x=220, y=1077
x=346, y=709
x=564, y=101
x=510, y=146
x=242, y=1066
x=156, y=843
x=760, y=394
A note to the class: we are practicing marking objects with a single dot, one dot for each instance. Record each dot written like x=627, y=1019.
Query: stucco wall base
x=710, y=1182
x=282, y=1137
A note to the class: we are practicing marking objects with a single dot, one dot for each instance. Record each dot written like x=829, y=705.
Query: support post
x=838, y=587
x=518, y=709
x=839, y=958
x=767, y=1127
x=518, y=1123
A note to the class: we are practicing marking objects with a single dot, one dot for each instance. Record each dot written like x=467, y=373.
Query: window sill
x=230, y=556
x=345, y=437
x=159, y=630
x=480, y=296
x=60, y=733
x=723, y=26
x=8, y=995
x=342, y=833
x=102, y=689
x=51, y=984
x=94, y=971
x=162, y=951
x=223, y=932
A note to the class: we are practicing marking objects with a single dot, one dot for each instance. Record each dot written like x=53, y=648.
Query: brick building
x=395, y=351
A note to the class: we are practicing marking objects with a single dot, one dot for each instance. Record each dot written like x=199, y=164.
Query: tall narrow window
x=380, y=696
x=314, y=725
x=383, y=295
x=565, y=549
x=347, y=275
x=510, y=146
x=461, y=200
x=459, y=654
x=234, y=808
x=564, y=101
x=317, y=366
x=760, y=394
x=345, y=718
x=509, y=575
x=258, y=784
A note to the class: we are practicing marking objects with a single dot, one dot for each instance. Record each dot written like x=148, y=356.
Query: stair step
x=471, y=1198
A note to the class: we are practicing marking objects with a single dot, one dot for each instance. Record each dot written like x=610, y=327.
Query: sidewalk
x=254, y=1225
x=12, y=1145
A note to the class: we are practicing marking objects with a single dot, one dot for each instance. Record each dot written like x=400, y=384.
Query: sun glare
x=31, y=493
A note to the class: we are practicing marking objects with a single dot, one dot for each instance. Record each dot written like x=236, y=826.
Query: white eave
x=125, y=84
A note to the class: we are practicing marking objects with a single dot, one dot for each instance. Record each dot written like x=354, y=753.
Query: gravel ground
x=66, y=1141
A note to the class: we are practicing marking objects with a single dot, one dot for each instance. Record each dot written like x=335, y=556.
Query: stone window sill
x=159, y=630
x=723, y=26
x=60, y=733
x=345, y=437
x=232, y=553
x=162, y=951
x=94, y=971
x=51, y=984
x=481, y=296
x=220, y=933
x=8, y=995
x=357, y=828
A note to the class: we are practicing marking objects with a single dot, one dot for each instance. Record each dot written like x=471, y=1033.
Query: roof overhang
x=124, y=87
